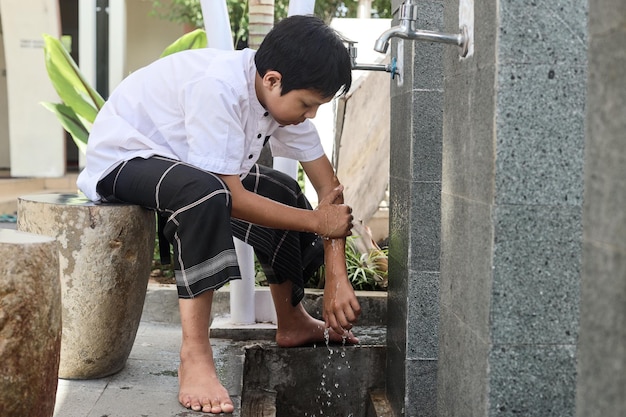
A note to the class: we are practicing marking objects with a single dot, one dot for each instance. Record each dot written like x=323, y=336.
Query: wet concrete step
x=318, y=380
x=378, y=405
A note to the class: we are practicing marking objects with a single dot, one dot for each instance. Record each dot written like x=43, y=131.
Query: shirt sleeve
x=300, y=142
x=213, y=125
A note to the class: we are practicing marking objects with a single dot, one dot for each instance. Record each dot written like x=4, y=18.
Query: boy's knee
x=205, y=189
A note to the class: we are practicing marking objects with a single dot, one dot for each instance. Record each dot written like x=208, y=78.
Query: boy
x=181, y=136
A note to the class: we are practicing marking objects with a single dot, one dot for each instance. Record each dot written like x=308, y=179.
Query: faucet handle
x=408, y=11
x=352, y=50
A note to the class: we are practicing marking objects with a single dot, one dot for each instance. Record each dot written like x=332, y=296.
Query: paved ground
x=148, y=385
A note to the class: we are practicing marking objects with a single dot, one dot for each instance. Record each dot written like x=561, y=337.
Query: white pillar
x=217, y=27
x=87, y=39
x=117, y=42
x=87, y=48
x=301, y=7
x=296, y=7
x=364, y=9
x=217, y=24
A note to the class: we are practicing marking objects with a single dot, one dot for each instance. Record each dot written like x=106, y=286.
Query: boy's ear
x=272, y=79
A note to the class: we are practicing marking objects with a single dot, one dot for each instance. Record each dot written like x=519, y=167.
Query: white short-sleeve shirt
x=197, y=106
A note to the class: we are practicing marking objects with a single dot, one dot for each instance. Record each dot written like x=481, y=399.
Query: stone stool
x=105, y=256
x=30, y=323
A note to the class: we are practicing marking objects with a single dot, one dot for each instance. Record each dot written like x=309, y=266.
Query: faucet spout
x=407, y=30
x=382, y=43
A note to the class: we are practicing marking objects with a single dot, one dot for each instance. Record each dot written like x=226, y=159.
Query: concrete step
x=331, y=380
x=161, y=306
x=378, y=404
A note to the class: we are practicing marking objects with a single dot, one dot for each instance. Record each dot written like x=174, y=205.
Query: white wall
x=4, y=109
x=37, y=142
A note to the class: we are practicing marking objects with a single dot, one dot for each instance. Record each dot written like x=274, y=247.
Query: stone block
x=426, y=136
x=532, y=380
x=105, y=257
x=423, y=315
x=401, y=138
x=536, y=275
x=422, y=384
x=30, y=323
x=540, y=134
x=424, y=226
x=542, y=33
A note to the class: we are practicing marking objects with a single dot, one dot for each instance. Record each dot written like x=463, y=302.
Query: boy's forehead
x=314, y=96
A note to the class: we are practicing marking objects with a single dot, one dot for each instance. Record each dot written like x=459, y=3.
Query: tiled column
x=415, y=190
x=602, y=352
x=511, y=210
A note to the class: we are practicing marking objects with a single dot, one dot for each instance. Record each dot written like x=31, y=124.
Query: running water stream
x=329, y=389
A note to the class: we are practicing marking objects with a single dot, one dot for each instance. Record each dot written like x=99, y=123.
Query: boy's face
x=292, y=108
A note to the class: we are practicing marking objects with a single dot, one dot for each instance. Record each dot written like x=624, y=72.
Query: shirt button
x=250, y=156
x=266, y=114
x=259, y=136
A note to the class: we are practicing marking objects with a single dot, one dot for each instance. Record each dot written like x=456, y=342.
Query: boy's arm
x=328, y=220
x=341, y=307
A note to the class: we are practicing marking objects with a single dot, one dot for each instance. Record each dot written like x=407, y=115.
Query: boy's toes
x=227, y=407
x=218, y=406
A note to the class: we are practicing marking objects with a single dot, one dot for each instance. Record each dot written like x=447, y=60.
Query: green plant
x=366, y=271
x=80, y=102
x=367, y=268
x=179, y=11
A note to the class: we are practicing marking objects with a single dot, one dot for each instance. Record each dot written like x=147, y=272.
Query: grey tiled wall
x=511, y=210
x=415, y=201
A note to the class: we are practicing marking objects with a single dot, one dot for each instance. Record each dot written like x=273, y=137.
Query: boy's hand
x=341, y=307
x=335, y=219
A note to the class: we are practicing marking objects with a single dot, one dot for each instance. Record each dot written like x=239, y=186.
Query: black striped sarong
x=196, y=206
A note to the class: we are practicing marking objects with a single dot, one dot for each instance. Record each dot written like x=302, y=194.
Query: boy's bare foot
x=200, y=389
x=301, y=329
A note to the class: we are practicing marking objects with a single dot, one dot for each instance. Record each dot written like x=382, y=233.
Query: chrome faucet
x=352, y=50
x=407, y=30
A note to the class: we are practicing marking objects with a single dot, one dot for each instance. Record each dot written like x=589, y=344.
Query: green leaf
x=192, y=40
x=71, y=123
x=69, y=82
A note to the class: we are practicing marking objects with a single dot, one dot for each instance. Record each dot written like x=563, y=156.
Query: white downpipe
x=87, y=47
x=242, y=311
x=218, y=33
x=87, y=39
x=117, y=42
x=286, y=165
x=296, y=7
x=301, y=7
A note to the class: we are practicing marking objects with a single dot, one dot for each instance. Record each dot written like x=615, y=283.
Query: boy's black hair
x=308, y=54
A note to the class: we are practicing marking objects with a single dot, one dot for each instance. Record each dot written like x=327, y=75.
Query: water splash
x=330, y=387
